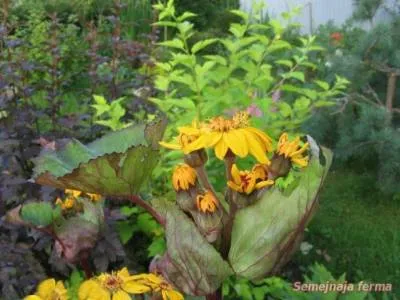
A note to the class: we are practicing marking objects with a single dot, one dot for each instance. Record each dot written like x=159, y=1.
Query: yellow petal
x=266, y=140
x=236, y=141
x=170, y=146
x=220, y=149
x=256, y=148
x=123, y=273
x=205, y=140
x=121, y=295
x=171, y=295
x=235, y=187
x=301, y=150
x=236, y=174
x=283, y=139
x=265, y=183
x=92, y=290
x=250, y=184
x=189, y=130
x=301, y=161
x=134, y=287
x=46, y=288
x=33, y=297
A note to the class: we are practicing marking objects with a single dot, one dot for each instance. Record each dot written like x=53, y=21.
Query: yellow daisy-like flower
x=292, y=150
x=94, y=197
x=73, y=193
x=248, y=181
x=159, y=285
x=207, y=202
x=235, y=135
x=67, y=204
x=49, y=289
x=187, y=135
x=183, y=176
x=114, y=286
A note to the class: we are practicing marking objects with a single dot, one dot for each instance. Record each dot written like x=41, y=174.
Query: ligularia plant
x=250, y=230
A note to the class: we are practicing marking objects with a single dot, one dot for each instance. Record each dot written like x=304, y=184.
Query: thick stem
x=203, y=178
x=217, y=295
x=231, y=195
x=140, y=202
x=84, y=262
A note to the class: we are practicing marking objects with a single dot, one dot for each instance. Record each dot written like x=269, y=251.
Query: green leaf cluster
x=255, y=65
x=109, y=115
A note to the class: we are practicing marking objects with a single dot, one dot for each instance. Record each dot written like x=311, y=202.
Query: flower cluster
x=70, y=200
x=109, y=286
x=230, y=138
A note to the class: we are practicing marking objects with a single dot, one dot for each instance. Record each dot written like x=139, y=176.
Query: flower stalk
x=135, y=199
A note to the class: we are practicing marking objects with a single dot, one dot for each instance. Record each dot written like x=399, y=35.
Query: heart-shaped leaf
x=116, y=164
x=267, y=233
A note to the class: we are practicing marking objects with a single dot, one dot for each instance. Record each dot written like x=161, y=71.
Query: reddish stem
x=217, y=295
x=84, y=262
x=50, y=232
x=140, y=202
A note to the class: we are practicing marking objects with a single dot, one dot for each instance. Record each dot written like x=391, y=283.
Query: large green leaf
x=267, y=233
x=191, y=263
x=116, y=164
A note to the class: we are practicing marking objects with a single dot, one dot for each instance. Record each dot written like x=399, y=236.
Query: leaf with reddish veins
x=191, y=264
x=267, y=233
x=75, y=237
x=111, y=165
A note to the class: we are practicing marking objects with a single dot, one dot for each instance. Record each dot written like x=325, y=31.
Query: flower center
x=239, y=120
x=112, y=282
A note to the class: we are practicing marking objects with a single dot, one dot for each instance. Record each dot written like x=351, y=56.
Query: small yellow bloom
x=73, y=193
x=94, y=197
x=49, y=289
x=235, y=135
x=183, y=176
x=248, y=181
x=187, y=135
x=292, y=150
x=67, y=204
x=207, y=202
x=115, y=286
x=159, y=285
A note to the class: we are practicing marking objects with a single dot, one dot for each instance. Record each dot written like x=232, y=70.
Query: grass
x=356, y=231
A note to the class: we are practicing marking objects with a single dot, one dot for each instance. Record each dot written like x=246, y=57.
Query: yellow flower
x=49, y=289
x=248, y=181
x=183, y=176
x=187, y=135
x=114, y=286
x=73, y=193
x=293, y=150
x=67, y=204
x=235, y=135
x=207, y=202
x=158, y=284
x=94, y=197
